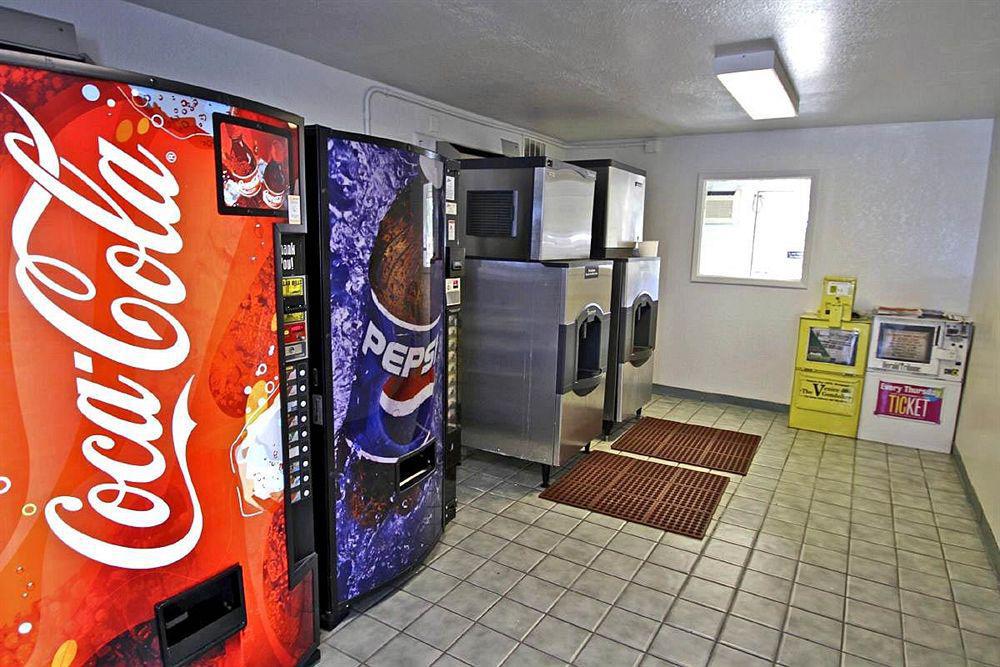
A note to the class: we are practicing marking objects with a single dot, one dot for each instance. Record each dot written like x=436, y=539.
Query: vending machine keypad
x=295, y=392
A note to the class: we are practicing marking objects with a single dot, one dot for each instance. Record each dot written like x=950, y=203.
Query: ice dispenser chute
x=583, y=351
x=639, y=341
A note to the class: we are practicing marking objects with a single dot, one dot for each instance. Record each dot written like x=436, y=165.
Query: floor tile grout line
x=788, y=603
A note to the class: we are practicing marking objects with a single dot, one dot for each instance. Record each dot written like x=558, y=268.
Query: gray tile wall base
x=695, y=395
x=989, y=539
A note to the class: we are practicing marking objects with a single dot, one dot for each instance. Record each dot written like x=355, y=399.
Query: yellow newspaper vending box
x=830, y=362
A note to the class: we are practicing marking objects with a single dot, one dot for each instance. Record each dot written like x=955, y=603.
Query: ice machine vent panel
x=491, y=213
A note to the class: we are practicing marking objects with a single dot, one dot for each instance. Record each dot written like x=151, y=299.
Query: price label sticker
x=294, y=209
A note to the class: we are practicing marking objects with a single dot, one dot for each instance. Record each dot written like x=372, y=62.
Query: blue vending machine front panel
x=385, y=333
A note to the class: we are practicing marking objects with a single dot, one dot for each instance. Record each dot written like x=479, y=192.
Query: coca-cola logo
x=51, y=284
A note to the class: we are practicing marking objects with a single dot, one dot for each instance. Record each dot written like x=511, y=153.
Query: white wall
x=899, y=206
x=978, y=436
x=125, y=36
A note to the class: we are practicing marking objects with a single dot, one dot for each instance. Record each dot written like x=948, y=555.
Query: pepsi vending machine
x=378, y=301
x=153, y=508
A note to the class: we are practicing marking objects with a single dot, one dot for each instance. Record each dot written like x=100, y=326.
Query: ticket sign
x=908, y=401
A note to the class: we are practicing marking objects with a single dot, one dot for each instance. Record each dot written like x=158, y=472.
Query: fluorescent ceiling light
x=758, y=81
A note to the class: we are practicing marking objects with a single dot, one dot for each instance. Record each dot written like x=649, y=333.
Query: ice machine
x=526, y=208
x=378, y=295
x=635, y=295
x=619, y=205
x=533, y=352
x=155, y=506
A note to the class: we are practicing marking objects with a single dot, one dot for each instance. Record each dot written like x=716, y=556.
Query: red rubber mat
x=677, y=500
x=701, y=446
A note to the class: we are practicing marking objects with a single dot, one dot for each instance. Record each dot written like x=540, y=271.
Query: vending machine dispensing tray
x=702, y=446
x=671, y=498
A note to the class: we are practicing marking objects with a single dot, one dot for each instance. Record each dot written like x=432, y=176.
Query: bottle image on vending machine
x=399, y=348
x=379, y=393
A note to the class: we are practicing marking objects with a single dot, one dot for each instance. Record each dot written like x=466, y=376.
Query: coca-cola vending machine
x=155, y=494
x=378, y=298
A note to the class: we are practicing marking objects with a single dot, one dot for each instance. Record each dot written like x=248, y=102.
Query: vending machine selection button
x=294, y=332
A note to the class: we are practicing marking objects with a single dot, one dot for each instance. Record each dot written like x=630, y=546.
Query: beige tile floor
x=831, y=551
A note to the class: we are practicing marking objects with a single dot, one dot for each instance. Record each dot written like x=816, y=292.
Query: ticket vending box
x=913, y=386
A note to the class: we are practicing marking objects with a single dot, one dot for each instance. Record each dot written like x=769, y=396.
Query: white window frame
x=703, y=178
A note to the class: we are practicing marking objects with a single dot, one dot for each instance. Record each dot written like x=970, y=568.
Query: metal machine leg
x=546, y=469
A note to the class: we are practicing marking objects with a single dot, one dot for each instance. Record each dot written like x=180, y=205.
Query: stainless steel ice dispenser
x=636, y=294
x=534, y=356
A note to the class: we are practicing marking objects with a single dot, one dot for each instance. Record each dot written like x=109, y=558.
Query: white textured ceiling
x=606, y=69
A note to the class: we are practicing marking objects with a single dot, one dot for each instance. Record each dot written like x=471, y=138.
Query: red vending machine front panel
x=145, y=414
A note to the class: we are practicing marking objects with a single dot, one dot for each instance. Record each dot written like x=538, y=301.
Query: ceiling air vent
x=533, y=148
x=491, y=213
x=719, y=207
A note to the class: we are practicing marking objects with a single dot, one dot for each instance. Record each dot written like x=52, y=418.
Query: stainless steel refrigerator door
x=564, y=205
x=625, y=208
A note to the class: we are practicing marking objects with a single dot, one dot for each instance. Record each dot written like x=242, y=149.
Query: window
x=752, y=230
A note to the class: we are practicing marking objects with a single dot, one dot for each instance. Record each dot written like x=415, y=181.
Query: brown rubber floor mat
x=695, y=445
x=678, y=500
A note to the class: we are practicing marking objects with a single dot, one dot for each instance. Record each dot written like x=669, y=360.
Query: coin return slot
x=201, y=617
x=414, y=467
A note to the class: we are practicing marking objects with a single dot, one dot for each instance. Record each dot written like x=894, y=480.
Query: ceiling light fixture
x=759, y=82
